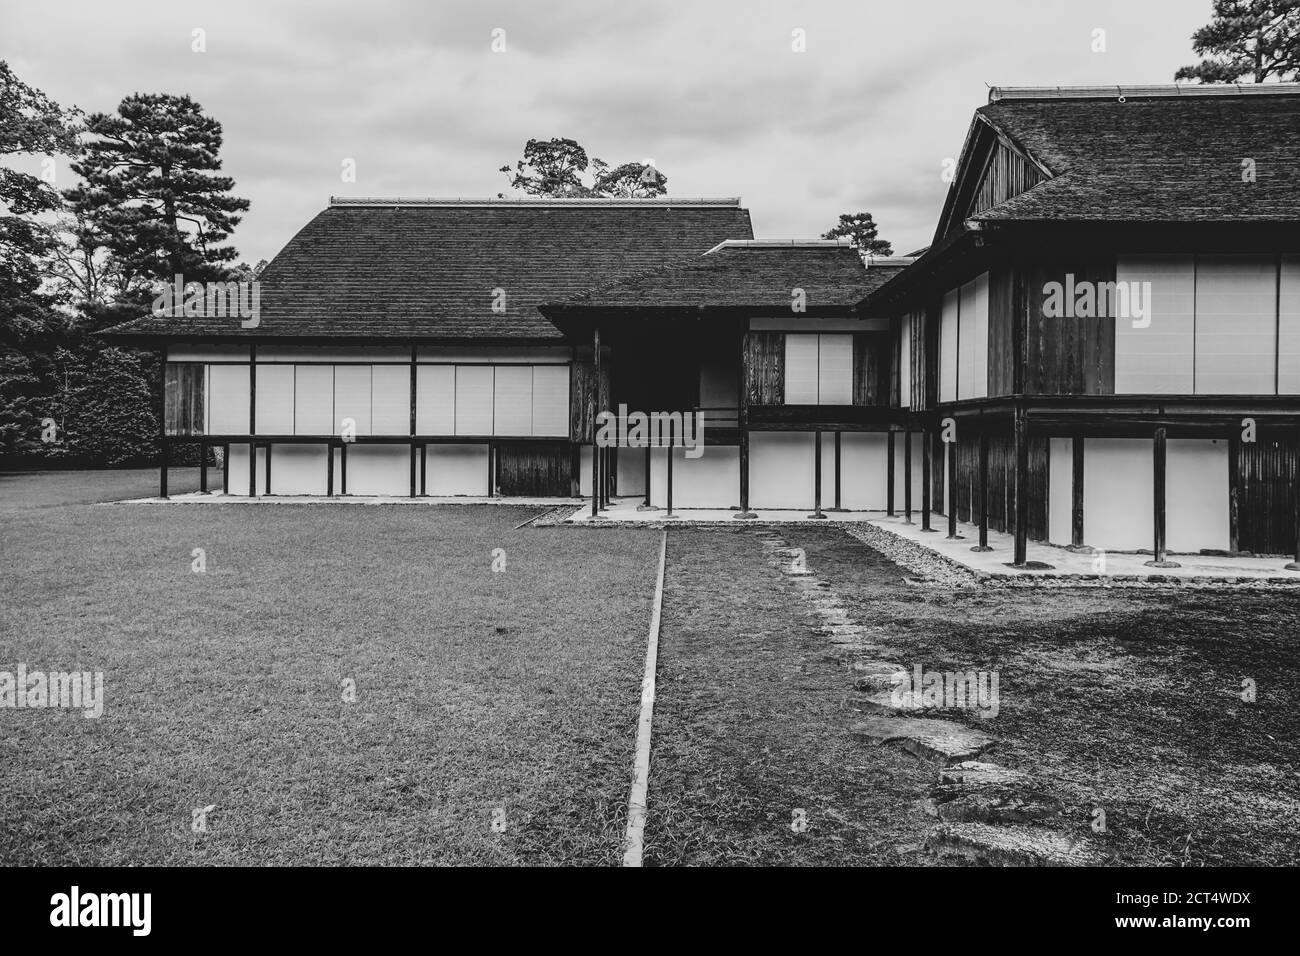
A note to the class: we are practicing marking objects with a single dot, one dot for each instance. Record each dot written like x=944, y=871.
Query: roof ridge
x=1122, y=93
x=573, y=202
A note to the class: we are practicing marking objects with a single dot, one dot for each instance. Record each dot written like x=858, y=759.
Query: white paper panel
x=352, y=397
x=456, y=470
x=975, y=335
x=275, y=400
x=313, y=405
x=1156, y=360
x=379, y=470
x=435, y=399
x=1236, y=325
x=299, y=470
x=227, y=400
x=801, y=370
x=474, y=400
x=905, y=363
x=948, y=347
x=551, y=400
x=390, y=390
x=835, y=373
x=1289, y=328
x=513, y=400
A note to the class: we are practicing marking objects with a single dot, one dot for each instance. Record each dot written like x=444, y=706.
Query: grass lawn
x=476, y=692
x=1128, y=701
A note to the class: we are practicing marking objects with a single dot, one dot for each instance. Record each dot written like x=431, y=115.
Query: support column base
x=818, y=516
x=981, y=549
x=1161, y=564
x=1293, y=566
x=1080, y=549
x=744, y=516
x=647, y=507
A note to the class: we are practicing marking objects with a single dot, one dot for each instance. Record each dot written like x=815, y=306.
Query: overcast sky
x=711, y=90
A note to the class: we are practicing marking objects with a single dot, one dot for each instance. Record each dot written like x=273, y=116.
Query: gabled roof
x=748, y=274
x=1146, y=154
x=427, y=268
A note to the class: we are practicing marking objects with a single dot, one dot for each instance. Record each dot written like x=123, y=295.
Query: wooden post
x=1295, y=565
x=412, y=424
x=252, y=420
x=491, y=470
x=1076, y=494
x=267, y=483
x=670, y=469
x=950, y=499
x=1159, y=556
x=817, y=475
x=203, y=468
x=649, y=451
x=837, y=471
x=343, y=468
x=1234, y=490
x=742, y=420
x=889, y=473
x=907, y=474
x=424, y=470
x=1021, y=442
x=225, y=470
x=927, y=456
x=162, y=467
x=984, y=490
x=329, y=470
x=595, y=403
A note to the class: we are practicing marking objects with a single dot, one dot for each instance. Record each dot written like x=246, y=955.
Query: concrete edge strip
x=634, y=841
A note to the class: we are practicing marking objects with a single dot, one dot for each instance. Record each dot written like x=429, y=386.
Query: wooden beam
x=1159, y=557
x=984, y=491
x=889, y=473
x=817, y=475
x=1021, y=443
x=907, y=475
x=1076, y=492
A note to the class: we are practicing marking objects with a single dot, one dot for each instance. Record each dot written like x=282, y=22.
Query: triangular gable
x=992, y=169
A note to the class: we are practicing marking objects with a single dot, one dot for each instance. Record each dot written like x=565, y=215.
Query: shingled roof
x=426, y=269
x=755, y=274
x=1156, y=154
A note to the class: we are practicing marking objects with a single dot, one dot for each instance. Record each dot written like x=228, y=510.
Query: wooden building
x=1106, y=327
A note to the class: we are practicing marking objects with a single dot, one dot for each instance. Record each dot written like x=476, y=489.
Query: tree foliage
x=561, y=168
x=1257, y=39
x=860, y=228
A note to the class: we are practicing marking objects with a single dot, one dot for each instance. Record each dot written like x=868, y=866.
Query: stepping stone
x=1009, y=846
x=841, y=633
x=975, y=773
x=876, y=700
x=975, y=792
x=886, y=668
x=939, y=740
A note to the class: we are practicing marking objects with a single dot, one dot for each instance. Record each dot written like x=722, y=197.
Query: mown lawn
x=481, y=697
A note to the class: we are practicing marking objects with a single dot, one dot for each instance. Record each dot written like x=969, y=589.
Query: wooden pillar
x=595, y=408
x=1295, y=472
x=670, y=469
x=1076, y=493
x=817, y=475
x=424, y=470
x=907, y=474
x=412, y=423
x=203, y=467
x=162, y=467
x=927, y=464
x=889, y=473
x=649, y=451
x=1159, y=556
x=950, y=499
x=329, y=470
x=1234, y=490
x=492, y=472
x=837, y=472
x=742, y=420
x=225, y=470
x=252, y=420
x=343, y=468
x=267, y=483
x=1020, y=427
x=983, y=490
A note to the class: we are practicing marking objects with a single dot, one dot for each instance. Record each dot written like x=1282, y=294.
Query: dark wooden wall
x=1002, y=335
x=581, y=387
x=184, y=390
x=1008, y=173
x=765, y=368
x=1266, y=503
x=534, y=468
x=872, y=352
x=1064, y=356
x=1002, y=481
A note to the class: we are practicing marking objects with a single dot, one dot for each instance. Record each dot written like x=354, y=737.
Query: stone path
x=989, y=814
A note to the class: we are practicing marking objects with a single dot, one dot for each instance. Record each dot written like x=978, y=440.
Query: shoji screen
x=227, y=400
x=973, y=339
x=1158, y=359
x=801, y=369
x=1236, y=325
x=435, y=400
x=313, y=400
x=275, y=399
x=352, y=397
x=474, y=399
x=835, y=370
x=551, y=400
x=1288, y=338
x=512, y=406
x=948, y=346
x=390, y=390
